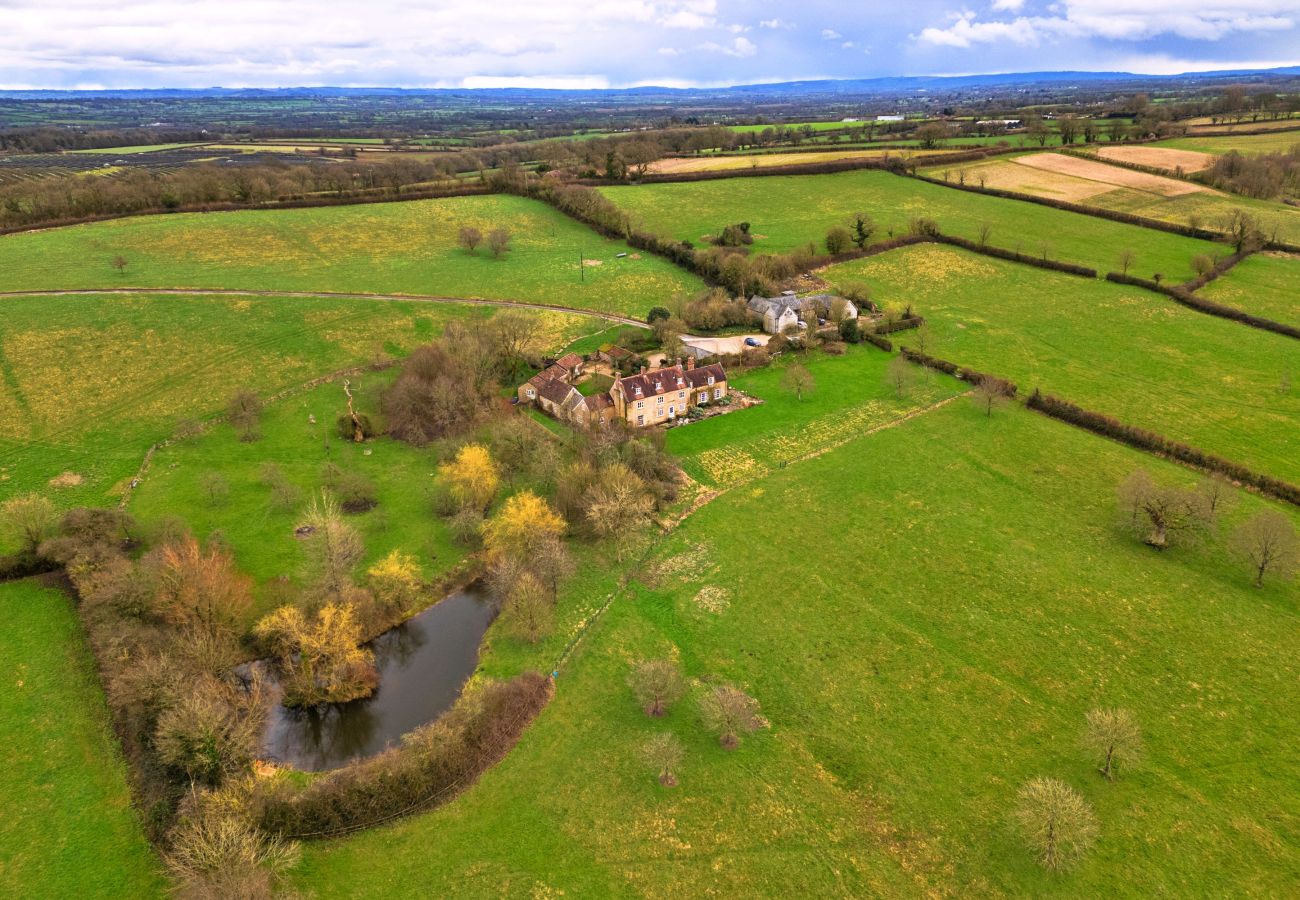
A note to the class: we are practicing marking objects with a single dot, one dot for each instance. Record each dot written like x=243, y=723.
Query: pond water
x=423, y=664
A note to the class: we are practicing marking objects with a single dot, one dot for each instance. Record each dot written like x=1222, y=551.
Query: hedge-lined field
x=1129, y=353
x=1266, y=285
x=69, y=829
x=90, y=382
x=1279, y=142
x=925, y=615
x=383, y=248
x=785, y=212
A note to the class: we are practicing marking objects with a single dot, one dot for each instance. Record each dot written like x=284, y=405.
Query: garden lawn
x=1129, y=353
x=69, y=829
x=1265, y=285
x=406, y=247
x=850, y=395
x=90, y=382
x=925, y=615
x=785, y=212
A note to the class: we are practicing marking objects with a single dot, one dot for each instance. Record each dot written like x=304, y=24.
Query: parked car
x=752, y=342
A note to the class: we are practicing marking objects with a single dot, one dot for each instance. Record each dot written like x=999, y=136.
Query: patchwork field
x=1124, y=190
x=69, y=828
x=1266, y=284
x=91, y=381
x=1209, y=382
x=789, y=211
x=1245, y=143
x=909, y=693
x=385, y=248
x=1160, y=157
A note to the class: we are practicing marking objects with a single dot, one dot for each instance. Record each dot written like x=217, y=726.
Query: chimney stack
x=690, y=363
x=643, y=370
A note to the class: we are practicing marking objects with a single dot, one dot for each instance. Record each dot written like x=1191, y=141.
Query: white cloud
x=847, y=45
x=830, y=34
x=669, y=51
x=1121, y=20
x=776, y=24
x=740, y=48
x=1008, y=5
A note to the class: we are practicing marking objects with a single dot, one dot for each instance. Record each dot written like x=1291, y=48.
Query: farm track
x=333, y=295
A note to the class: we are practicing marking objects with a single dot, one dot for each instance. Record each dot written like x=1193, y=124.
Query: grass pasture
x=1278, y=142
x=789, y=211
x=384, y=248
x=1130, y=353
x=91, y=381
x=909, y=692
x=721, y=163
x=1265, y=284
x=69, y=828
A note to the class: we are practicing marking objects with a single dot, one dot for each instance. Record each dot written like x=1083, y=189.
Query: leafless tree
x=730, y=712
x=991, y=393
x=244, y=410
x=215, y=486
x=470, y=237
x=1267, y=542
x=1126, y=257
x=528, y=613
x=29, y=518
x=663, y=753
x=1114, y=735
x=657, y=684
x=1055, y=821
x=498, y=242
x=797, y=379
x=119, y=263
x=1162, y=511
x=901, y=376
x=985, y=230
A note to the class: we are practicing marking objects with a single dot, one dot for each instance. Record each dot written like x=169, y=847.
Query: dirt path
x=308, y=295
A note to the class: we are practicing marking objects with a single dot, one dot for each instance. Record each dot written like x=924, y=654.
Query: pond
x=423, y=664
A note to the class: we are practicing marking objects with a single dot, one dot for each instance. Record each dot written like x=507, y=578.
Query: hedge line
x=971, y=376
x=1024, y=258
x=1142, y=439
x=431, y=765
x=1220, y=267
x=1201, y=304
x=877, y=340
x=907, y=323
x=350, y=199
x=23, y=565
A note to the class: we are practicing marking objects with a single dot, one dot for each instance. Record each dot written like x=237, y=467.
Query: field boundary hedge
x=970, y=376
x=1210, y=307
x=1150, y=441
x=434, y=763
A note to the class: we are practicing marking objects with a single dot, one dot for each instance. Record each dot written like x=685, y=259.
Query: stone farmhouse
x=644, y=399
x=779, y=313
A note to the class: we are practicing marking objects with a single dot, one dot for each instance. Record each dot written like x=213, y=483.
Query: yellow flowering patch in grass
x=729, y=465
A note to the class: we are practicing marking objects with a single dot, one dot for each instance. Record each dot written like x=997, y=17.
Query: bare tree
x=1267, y=542
x=498, y=242
x=985, y=230
x=1218, y=493
x=244, y=410
x=901, y=376
x=1162, y=511
x=798, y=380
x=528, y=614
x=657, y=684
x=215, y=486
x=119, y=263
x=1055, y=821
x=730, y=712
x=29, y=518
x=1126, y=257
x=1114, y=735
x=469, y=238
x=991, y=393
x=663, y=753
x=333, y=546
x=618, y=505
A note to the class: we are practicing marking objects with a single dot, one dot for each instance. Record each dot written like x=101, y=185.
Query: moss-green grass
x=1133, y=354
x=1278, y=142
x=850, y=394
x=384, y=248
x=90, y=382
x=925, y=614
x=789, y=211
x=262, y=536
x=69, y=829
x=1266, y=285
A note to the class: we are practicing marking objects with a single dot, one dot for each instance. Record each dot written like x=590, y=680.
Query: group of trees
x=724, y=709
x=497, y=240
x=1265, y=176
x=1162, y=514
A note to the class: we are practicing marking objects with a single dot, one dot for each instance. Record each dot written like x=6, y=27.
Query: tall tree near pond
x=618, y=505
x=321, y=657
x=472, y=477
x=201, y=588
x=333, y=547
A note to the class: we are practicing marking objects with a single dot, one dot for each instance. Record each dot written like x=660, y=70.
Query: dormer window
x=710, y=379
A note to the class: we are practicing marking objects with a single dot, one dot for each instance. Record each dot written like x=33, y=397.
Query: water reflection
x=423, y=665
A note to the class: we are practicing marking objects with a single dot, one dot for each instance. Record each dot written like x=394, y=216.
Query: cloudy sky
x=615, y=43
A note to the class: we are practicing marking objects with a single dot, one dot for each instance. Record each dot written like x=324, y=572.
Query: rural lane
x=308, y=295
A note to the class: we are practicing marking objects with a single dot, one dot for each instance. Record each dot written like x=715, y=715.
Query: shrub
x=347, y=427
x=395, y=581
x=221, y=855
x=838, y=240
x=207, y=734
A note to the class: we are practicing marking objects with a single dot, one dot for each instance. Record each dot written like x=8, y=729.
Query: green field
x=140, y=148
x=1210, y=382
x=1266, y=285
x=90, y=382
x=69, y=829
x=1277, y=142
x=789, y=211
x=925, y=615
x=385, y=247
x=260, y=535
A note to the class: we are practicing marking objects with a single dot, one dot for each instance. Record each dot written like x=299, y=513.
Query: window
x=710, y=379
x=531, y=393
x=640, y=404
x=661, y=401
x=640, y=420
x=672, y=410
x=681, y=395
x=717, y=393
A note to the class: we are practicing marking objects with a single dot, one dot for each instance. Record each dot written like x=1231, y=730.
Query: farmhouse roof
x=669, y=378
x=569, y=360
x=555, y=390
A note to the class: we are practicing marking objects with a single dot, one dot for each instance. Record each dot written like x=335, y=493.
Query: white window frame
x=717, y=393
x=640, y=420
